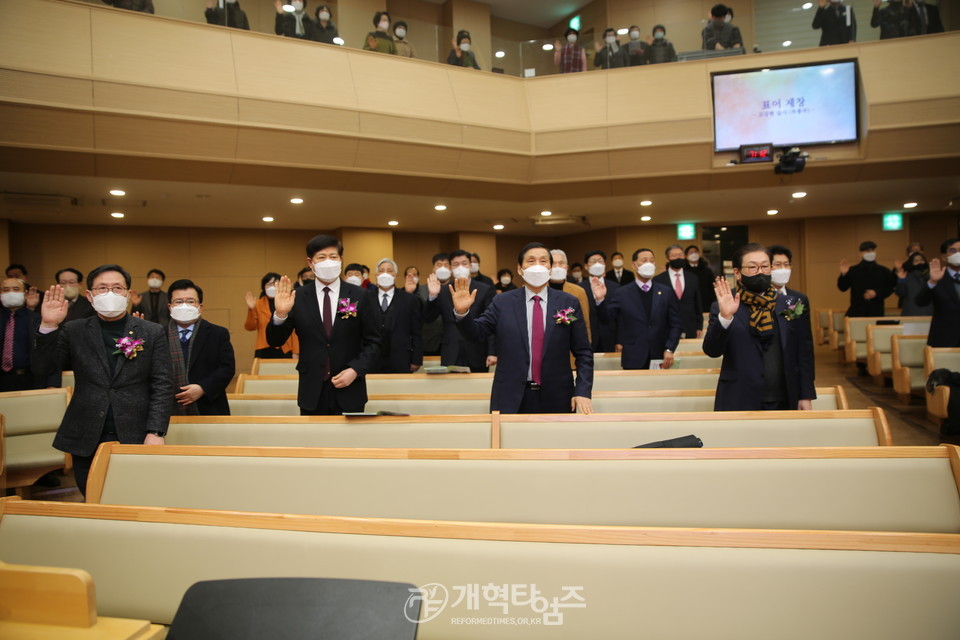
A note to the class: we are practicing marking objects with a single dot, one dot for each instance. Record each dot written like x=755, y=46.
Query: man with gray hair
x=558, y=281
x=399, y=319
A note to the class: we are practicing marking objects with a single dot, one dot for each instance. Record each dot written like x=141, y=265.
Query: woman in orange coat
x=260, y=314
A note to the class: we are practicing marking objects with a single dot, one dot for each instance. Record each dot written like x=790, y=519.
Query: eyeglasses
x=190, y=301
x=752, y=269
x=117, y=289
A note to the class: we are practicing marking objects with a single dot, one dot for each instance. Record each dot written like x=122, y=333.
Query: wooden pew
x=591, y=581
x=880, y=350
x=939, y=358
x=30, y=421
x=909, y=489
x=837, y=336
x=855, y=330
x=858, y=428
x=684, y=360
x=906, y=361
x=823, y=323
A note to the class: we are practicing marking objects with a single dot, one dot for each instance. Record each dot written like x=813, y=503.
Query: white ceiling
x=542, y=13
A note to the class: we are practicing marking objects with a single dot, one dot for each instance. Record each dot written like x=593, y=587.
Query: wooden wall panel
x=35, y=127
x=551, y=104
x=296, y=148
x=418, y=249
x=297, y=115
x=491, y=100
x=31, y=37
x=413, y=88
x=153, y=136
x=46, y=89
x=115, y=97
x=366, y=246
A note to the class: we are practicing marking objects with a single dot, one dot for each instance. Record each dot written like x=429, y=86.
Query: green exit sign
x=575, y=23
x=892, y=221
x=686, y=231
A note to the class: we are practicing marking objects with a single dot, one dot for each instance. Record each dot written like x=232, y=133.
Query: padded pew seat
x=907, y=364
x=29, y=422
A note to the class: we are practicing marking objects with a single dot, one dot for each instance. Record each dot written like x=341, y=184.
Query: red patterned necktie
x=8, y=345
x=536, y=355
x=678, y=287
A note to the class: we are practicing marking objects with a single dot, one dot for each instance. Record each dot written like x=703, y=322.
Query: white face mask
x=185, y=313
x=536, y=276
x=324, y=15
x=618, y=263
x=109, y=304
x=71, y=292
x=385, y=280
x=416, y=280
x=297, y=5
x=780, y=277
x=384, y=26
x=443, y=273
x=954, y=259
x=271, y=291
x=465, y=46
x=327, y=270
x=474, y=267
x=558, y=273
x=461, y=272
x=647, y=270
x=634, y=35
x=693, y=258
x=505, y=280
x=154, y=283
x=12, y=299
x=572, y=38
x=870, y=256
x=401, y=33
x=658, y=35
x=727, y=18
x=578, y=276
x=597, y=269
x=354, y=280
x=610, y=39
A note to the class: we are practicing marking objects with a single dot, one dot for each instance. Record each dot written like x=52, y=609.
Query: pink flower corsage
x=347, y=309
x=129, y=347
x=565, y=316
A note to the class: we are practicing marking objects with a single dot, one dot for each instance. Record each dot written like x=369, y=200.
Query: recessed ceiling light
x=289, y=8
x=441, y=207
x=268, y=218
x=772, y=212
x=117, y=192
x=723, y=228
x=646, y=203
x=716, y=235
x=787, y=43
x=497, y=227
x=909, y=205
x=800, y=194
x=547, y=47
x=500, y=54
x=806, y=5
x=546, y=213
x=296, y=200
x=393, y=223
x=116, y=214
x=622, y=32
x=645, y=218
x=338, y=40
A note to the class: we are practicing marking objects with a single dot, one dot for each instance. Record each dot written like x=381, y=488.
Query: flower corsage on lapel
x=565, y=316
x=347, y=309
x=794, y=309
x=129, y=347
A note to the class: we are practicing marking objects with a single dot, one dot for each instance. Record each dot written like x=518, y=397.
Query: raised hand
x=898, y=268
x=597, y=46
x=433, y=285
x=844, y=267
x=250, y=300
x=371, y=42
x=137, y=314
x=283, y=302
x=32, y=299
x=462, y=296
x=726, y=301
x=134, y=297
x=937, y=270
x=409, y=285
x=279, y=6
x=54, y=309
x=599, y=288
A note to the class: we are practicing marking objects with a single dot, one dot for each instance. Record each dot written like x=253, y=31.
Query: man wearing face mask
x=869, y=283
x=569, y=56
x=433, y=329
x=404, y=47
x=17, y=327
x=296, y=24
x=610, y=55
x=324, y=30
x=660, y=50
x=912, y=277
x=72, y=281
x=121, y=364
x=462, y=54
x=200, y=354
x=618, y=274
x=603, y=337
x=647, y=313
x=399, y=318
x=354, y=274
x=781, y=270
x=943, y=293
x=836, y=21
x=228, y=14
x=153, y=304
x=700, y=267
x=763, y=338
x=737, y=39
x=559, y=282
x=718, y=34
x=636, y=48
x=475, y=270
x=686, y=289
x=536, y=329
x=338, y=331
x=455, y=349
x=380, y=39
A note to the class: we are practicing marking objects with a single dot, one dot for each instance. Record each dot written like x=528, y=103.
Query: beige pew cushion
x=653, y=380
x=32, y=412
x=603, y=403
x=240, y=406
x=31, y=451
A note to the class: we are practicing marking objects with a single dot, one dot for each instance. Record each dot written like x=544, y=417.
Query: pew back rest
x=899, y=594
x=828, y=399
x=869, y=489
x=941, y=358
x=907, y=351
x=880, y=337
x=31, y=420
x=724, y=429
x=273, y=367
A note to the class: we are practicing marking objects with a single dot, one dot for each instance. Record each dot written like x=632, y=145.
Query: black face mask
x=678, y=263
x=757, y=283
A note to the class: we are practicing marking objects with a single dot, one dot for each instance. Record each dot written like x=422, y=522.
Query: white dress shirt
x=389, y=293
x=334, y=301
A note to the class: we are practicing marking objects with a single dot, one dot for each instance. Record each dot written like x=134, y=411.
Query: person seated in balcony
x=462, y=55
x=380, y=39
x=404, y=48
x=660, y=50
x=295, y=24
x=229, y=14
x=143, y=6
x=325, y=31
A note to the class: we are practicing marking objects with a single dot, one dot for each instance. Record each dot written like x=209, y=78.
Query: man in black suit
x=686, y=288
x=763, y=340
x=72, y=282
x=869, y=283
x=456, y=349
x=121, y=365
x=475, y=270
x=647, y=315
x=618, y=274
x=836, y=21
x=943, y=291
x=603, y=335
x=399, y=319
x=18, y=324
x=202, y=357
x=337, y=329
x=928, y=17
x=153, y=305
x=781, y=269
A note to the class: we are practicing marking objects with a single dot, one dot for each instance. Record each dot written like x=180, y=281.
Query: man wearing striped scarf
x=761, y=337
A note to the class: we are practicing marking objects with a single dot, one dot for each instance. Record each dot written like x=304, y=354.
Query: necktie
x=678, y=287
x=536, y=347
x=645, y=287
x=8, y=344
x=384, y=304
x=327, y=312
x=184, y=336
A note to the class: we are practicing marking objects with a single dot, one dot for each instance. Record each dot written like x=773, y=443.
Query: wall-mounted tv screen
x=788, y=106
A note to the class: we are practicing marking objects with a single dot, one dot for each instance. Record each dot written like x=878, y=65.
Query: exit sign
x=686, y=231
x=575, y=23
x=892, y=221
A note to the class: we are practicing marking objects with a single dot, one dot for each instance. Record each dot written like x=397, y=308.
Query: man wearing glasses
x=763, y=338
x=121, y=365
